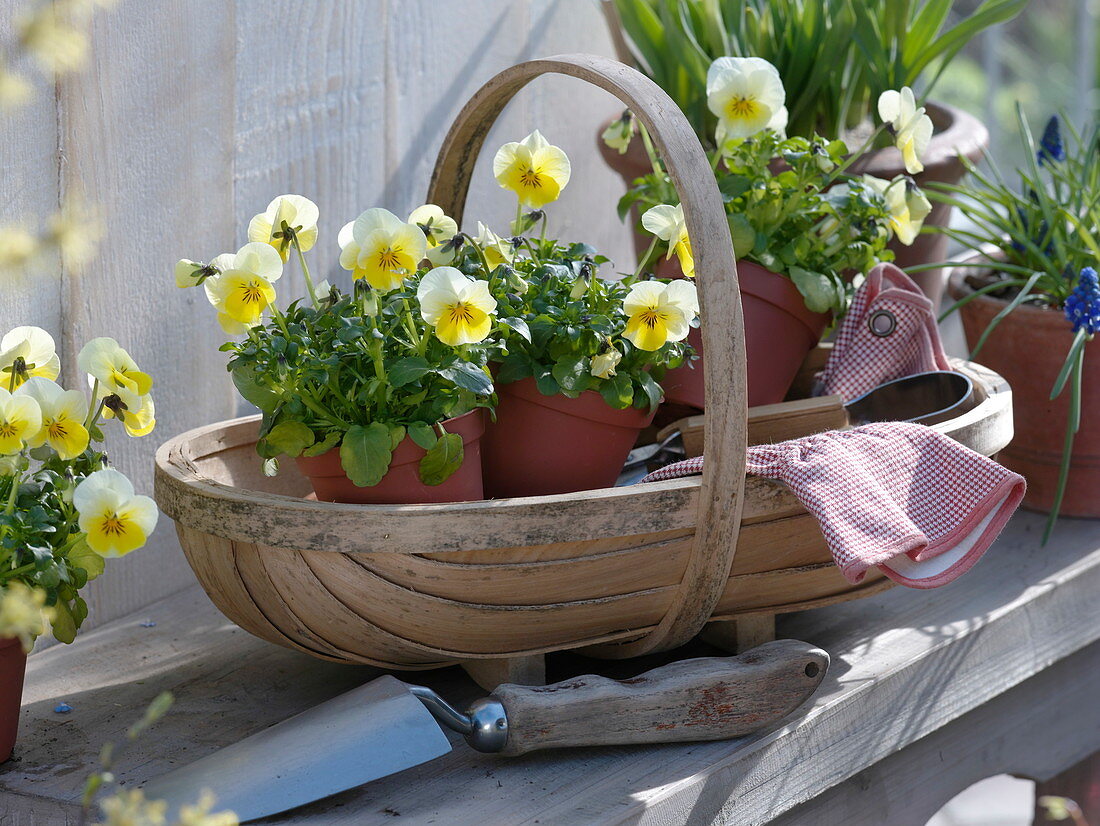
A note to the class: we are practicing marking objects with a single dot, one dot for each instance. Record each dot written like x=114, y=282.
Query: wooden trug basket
x=496, y=584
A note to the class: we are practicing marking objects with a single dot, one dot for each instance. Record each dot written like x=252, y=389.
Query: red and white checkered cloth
x=907, y=340
x=901, y=496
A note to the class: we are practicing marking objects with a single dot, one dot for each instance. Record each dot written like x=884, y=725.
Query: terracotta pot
x=402, y=485
x=543, y=445
x=956, y=132
x=1029, y=348
x=13, y=664
x=779, y=334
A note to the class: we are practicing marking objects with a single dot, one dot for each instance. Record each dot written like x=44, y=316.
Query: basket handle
x=722, y=492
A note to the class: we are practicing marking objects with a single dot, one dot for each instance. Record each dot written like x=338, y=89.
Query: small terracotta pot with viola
x=542, y=445
x=13, y=665
x=401, y=485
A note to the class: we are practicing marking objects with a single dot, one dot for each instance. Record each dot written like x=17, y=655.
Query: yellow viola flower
x=604, y=364
x=242, y=290
x=138, y=420
x=439, y=229
x=747, y=96
x=618, y=135
x=907, y=205
x=128, y=807
x=115, y=371
x=910, y=126
x=667, y=223
x=497, y=250
x=300, y=216
x=200, y=814
x=534, y=169
x=63, y=414
x=20, y=421
x=659, y=313
x=18, y=247
x=23, y=612
x=458, y=307
x=381, y=248
x=115, y=519
x=192, y=273
x=26, y=352
x=14, y=89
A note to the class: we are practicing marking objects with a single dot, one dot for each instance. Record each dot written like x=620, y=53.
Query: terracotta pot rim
x=583, y=407
x=777, y=288
x=958, y=289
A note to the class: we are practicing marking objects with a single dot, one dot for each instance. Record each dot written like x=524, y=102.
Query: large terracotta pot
x=1029, y=348
x=542, y=445
x=402, y=485
x=13, y=664
x=779, y=334
x=956, y=132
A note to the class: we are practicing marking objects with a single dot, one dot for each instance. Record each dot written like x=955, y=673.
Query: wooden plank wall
x=193, y=114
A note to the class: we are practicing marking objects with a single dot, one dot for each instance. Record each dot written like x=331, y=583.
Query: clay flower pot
x=542, y=445
x=1029, y=348
x=956, y=132
x=401, y=485
x=779, y=334
x=13, y=664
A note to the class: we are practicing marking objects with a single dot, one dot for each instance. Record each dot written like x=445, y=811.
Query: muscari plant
x=1046, y=230
x=791, y=207
x=63, y=510
x=409, y=348
x=836, y=56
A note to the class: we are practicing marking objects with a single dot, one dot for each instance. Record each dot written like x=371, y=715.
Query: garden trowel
x=385, y=726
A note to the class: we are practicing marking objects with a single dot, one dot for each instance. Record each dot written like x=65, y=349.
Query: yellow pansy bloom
x=23, y=612
x=604, y=364
x=747, y=96
x=438, y=229
x=192, y=273
x=116, y=372
x=458, y=307
x=381, y=248
x=20, y=421
x=619, y=133
x=114, y=518
x=26, y=352
x=533, y=168
x=298, y=213
x=667, y=223
x=659, y=313
x=138, y=420
x=497, y=250
x=63, y=414
x=910, y=126
x=242, y=290
x=907, y=205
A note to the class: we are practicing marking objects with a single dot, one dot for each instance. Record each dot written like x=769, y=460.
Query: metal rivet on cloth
x=882, y=323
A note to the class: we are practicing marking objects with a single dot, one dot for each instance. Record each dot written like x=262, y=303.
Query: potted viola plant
x=379, y=394
x=804, y=228
x=837, y=58
x=580, y=357
x=1030, y=304
x=63, y=510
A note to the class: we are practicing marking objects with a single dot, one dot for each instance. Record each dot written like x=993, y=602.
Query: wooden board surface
x=905, y=664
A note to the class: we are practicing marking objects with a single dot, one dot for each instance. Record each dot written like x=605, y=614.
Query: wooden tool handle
x=692, y=700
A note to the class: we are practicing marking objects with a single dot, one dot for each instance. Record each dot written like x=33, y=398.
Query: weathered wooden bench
x=929, y=692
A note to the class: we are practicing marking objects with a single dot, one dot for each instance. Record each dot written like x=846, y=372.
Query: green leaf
x=743, y=234
x=244, y=379
x=423, y=435
x=325, y=445
x=618, y=391
x=519, y=326
x=365, y=453
x=407, y=370
x=64, y=624
x=545, y=381
x=816, y=289
x=652, y=390
x=81, y=556
x=442, y=459
x=397, y=435
x=513, y=367
x=572, y=373
x=469, y=377
x=291, y=438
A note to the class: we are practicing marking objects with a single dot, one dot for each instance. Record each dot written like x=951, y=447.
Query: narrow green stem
x=14, y=572
x=516, y=224
x=481, y=255
x=13, y=494
x=305, y=272
x=92, y=412
x=651, y=151
x=645, y=258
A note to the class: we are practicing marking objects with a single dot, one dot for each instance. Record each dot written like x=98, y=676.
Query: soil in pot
x=1028, y=349
x=956, y=132
x=779, y=334
x=401, y=485
x=541, y=445
x=13, y=664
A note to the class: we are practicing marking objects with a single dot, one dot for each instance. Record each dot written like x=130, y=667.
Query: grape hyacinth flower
x=1051, y=147
x=1083, y=305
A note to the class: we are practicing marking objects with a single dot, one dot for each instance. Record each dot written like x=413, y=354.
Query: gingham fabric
x=861, y=359
x=900, y=496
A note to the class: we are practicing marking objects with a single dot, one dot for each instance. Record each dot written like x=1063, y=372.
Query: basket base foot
x=740, y=634
x=488, y=674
